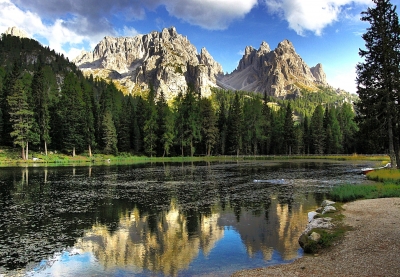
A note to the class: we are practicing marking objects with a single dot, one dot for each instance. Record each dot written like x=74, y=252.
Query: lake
x=172, y=219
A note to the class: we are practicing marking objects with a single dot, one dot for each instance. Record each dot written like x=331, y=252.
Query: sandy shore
x=372, y=248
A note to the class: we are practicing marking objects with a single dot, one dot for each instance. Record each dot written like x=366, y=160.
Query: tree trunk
x=23, y=153
x=27, y=151
x=392, y=154
x=45, y=148
x=191, y=147
x=90, y=151
x=73, y=151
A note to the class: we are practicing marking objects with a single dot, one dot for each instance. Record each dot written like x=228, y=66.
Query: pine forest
x=48, y=105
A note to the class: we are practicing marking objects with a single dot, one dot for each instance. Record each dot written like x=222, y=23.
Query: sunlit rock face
x=166, y=59
x=161, y=244
x=14, y=31
x=279, y=73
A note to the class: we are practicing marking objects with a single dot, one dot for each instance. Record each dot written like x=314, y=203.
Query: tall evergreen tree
x=289, y=138
x=150, y=128
x=333, y=137
x=71, y=113
x=348, y=128
x=253, y=120
x=165, y=134
x=317, y=130
x=21, y=117
x=109, y=137
x=222, y=127
x=235, y=126
x=378, y=75
x=266, y=127
x=41, y=103
x=209, y=130
x=10, y=80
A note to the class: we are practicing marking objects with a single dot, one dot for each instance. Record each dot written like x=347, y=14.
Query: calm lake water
x=190, y=219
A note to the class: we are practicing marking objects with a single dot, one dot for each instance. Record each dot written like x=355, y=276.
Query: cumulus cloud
x=311, y=15
x=210, y=14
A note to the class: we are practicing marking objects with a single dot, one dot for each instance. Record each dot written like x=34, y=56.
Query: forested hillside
x=48, y=105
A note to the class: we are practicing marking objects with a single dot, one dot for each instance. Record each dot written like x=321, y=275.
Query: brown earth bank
x=371, y=248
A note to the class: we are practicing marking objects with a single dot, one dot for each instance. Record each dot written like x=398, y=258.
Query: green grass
x=346, y=193
x=385, y=175
x=12, y=157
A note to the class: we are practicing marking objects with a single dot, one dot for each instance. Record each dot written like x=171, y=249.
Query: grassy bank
x=388, y=186
x=11, y=157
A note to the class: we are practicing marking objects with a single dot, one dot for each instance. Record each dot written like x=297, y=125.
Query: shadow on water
x=160, y=219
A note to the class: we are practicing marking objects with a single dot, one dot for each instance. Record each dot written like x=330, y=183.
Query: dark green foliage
x=21, y=117
x=235, y=126
x=317, y=131
x=73, y=113
x=109, y=134
x=378, y=76
x=209, y=130
x=150, y=128
x=289, y=136
x=165, y=124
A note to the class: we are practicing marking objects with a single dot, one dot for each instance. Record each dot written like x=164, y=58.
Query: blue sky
x=322, y=31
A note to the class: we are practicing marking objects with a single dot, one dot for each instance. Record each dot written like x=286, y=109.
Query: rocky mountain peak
x=264, y=47
x=280, y=72
x=15, y=31
x=319, y=74
x=165, y=59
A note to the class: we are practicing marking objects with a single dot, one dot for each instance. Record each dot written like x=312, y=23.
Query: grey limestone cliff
x=280, y=72
x=165, y=59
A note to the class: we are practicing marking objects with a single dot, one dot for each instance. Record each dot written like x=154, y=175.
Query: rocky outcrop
x=14, y=31
x=281, y=72
x=310, y=239
x=165, y=59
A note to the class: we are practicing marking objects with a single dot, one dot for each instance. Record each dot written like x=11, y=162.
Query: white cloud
x=59, y=37
x=311, y=15
x=210, y=14
x=128, y=32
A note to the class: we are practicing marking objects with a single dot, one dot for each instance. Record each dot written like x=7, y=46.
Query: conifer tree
x=235, y=125
x=150, y=128
x=317, y=130
x=109, y=137
x=222, y=127
x=209, y=130
x=378, y=75
x=165, y=126
x=41, y=103
x=71, y=113
x=21, y=118
x=289, y=137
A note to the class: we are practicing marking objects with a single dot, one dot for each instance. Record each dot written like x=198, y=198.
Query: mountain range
x=169, y=62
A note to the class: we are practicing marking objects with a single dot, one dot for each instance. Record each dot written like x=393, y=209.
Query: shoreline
x=371, y=248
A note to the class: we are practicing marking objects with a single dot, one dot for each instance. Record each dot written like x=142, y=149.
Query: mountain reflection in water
x=158, y=220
